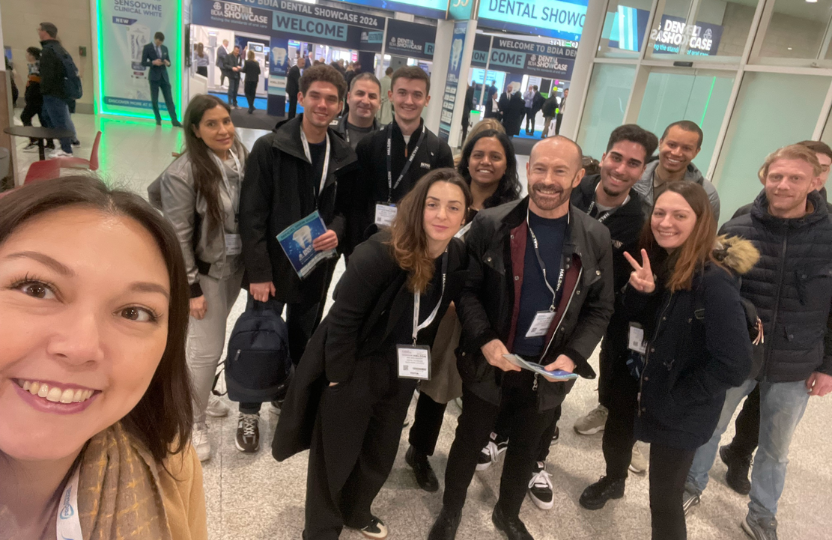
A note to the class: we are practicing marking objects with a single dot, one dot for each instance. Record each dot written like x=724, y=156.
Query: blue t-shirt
x=535, y=295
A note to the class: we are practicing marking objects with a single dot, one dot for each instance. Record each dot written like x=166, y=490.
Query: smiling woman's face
x=84, y=300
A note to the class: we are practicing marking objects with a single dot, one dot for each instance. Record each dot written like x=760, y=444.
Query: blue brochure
x=296, y=241
x=558, y=374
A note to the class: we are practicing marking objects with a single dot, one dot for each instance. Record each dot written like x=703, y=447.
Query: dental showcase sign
x=562, y=19
x=700, y=39
x=434, y=9
x=554, y=61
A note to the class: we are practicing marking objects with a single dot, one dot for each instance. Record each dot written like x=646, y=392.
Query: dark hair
x=206, y=173
x=411, y=72
x=698, y=249
x=163, y=417
x=636, y=134
x=590, y=166
x=817, y=147
x=408, y=240
x=323, y=73
x=365, y=76
x=685, y=125
x=160, y=36
x=34, y=51
x=509, y=187
x=388, y=71
x=50, y=29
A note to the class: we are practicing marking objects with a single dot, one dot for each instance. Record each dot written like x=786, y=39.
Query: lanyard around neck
x=309, y=157
x=417, y=302
x=543, y=265
x=235, y=201
x=390, y=185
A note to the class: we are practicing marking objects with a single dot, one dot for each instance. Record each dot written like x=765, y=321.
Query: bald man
x=544, y=303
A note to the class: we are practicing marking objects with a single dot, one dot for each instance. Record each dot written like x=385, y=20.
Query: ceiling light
x=811, y=1
x=789, y=48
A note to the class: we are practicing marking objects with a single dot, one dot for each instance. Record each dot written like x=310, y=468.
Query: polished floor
x=252, y=497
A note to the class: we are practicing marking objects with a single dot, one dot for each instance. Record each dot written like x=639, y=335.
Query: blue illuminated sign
x=562, y=19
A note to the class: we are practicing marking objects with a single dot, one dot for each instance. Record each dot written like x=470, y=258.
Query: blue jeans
x=56, y=113
x=781, y=408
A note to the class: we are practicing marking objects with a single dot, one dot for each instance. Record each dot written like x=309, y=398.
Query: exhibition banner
x=314, y=11
x=482, y=44
x=702, y=38
x=231, y=16
x=410, y=39
x=553, y=61
x=452, y=86
x=434, y=9
x=553, y=18
x=460, y=10
x=124, y=28
x=278, y=69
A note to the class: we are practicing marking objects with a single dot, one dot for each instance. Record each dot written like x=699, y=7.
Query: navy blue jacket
x=156, y=73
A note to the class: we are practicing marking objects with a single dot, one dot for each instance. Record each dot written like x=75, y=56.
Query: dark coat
x=791, y=287
x=691, y=361
x=468, y=104
x=279, y=190
x=52, y=70
x=231, y=61
x=550, y=106
x=488, y=305
x=155, y=73
x=513, y=117
x=252, y=71
x=293, y=82
x=221, y=54
x=538, y=102
x=371, y=300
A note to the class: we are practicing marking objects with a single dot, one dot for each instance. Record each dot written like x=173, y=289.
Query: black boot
x=445, y=526
x=596, y=496
x=511, y=526
x=737, y=475
x=425, y=476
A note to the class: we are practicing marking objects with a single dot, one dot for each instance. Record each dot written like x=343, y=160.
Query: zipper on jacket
x=647, y=355
x=781, y=273
x=555, y=333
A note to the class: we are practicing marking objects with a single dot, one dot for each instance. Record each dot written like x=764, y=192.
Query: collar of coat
x=287, y=140
x=820, y=212
x=517, y=215
x=584, y=194
x=341, y=126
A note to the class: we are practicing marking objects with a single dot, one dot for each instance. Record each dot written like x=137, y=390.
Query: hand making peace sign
x=642, y=276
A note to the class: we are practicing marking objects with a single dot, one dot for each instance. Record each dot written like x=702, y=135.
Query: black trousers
x=558, y=120
x=202, y=70
x=466, y=119
x=233, y=89
x=668, y=471
x=155, y=86
x=293, y=107
x=427, y=424
x=251, y=93
x=748, y=425
x=475, y=425
x=529, y=120
x=619, y=432
x=503, y=429
x=354, y=445
x=34, y=107
x=223, y=76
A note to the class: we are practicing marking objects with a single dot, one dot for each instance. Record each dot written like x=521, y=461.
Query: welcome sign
x=553, y=18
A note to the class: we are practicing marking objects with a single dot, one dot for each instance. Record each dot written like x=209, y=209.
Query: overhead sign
x=460, y=10
x=453, y=90
x=554, y=18
x=481, y=45
x=434, y=9
x=233, y=16
x=702, y=39
x=528, y=57
x=410, y=39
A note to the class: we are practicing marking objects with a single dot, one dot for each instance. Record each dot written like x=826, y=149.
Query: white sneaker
x=199, y=438
x=592, y=422
x=216, y=407
x=58, y=153
x=540, y=488
x=638, y=463
x=31, y=147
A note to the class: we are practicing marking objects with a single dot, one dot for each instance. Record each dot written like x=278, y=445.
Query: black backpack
x=258, y=367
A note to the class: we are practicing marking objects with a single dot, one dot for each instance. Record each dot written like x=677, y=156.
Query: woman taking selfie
x=199, y=194
x=689, y=343
x=95, y=405
x=489, y=167
x=369, y=352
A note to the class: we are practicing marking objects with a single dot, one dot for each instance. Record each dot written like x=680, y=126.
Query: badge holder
x=385, y=214
x=414, y=362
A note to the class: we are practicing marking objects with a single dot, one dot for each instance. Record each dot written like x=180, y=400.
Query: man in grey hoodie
x=679, y=145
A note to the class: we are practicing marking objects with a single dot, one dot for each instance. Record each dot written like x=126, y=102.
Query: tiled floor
x=252, y=497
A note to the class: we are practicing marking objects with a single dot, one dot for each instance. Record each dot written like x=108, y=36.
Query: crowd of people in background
x=456, y=285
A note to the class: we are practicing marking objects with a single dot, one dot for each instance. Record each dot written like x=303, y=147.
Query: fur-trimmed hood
x=736, y=253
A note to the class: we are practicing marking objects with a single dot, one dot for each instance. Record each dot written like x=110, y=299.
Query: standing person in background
x=34, y=98
x=503, y=105
x=364, y=99
x=52, y=75
x=293, y=87
x=355, y=69
x=233, y=66
x=537, y=105
x=513, y=119
x=549, y=109
x=291, y=173
x=528, y=102
x=467, y=105
x=561, y=110
x=200, y=197
x=385, y=110
x=222, y=52
x=155, y=56
x=201, y=60
x=251, y=70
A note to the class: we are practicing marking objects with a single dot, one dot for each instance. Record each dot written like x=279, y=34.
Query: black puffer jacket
x=791, y=287
x=698, y=348
x=52, y=72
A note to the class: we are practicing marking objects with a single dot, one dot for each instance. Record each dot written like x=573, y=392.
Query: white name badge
x=385, y=214
x=233, y=244
x=636, y=341
x=541, y=323
x=414, y=362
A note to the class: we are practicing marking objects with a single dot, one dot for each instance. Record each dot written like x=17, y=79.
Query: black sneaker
x=760, y=529
x=491, y=452
x=76, y=142
x=445, y=526
x=276, y=406
x=555, y=437
x=425, y=476
x=690, y=500
x=248, y=433
x=540, y=487
x=596, y=496
x=376, y=529
x=512, y=526
x=738, y=466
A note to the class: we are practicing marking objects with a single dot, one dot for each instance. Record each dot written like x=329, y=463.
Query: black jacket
x=293, y=82
x=513, y=117
x=468, y=104
x=52, y=72
x=550, y=105
x=231, y=61
x=155, y=73
x=279, y=190
x=791, y=287
x=252, y=71
x=371, y=300
x=488, y=303
x=692, y=359
x=434, y=153
x=538, y=102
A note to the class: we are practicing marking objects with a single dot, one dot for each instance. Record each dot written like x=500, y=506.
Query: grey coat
x=644, y=187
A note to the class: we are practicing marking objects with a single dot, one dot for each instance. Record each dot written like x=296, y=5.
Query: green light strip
x=707, y=102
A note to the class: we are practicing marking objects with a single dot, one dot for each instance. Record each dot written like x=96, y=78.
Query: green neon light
x=176, y=52
x=708, y=101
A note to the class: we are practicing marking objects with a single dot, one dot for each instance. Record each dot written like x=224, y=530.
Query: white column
x=441, y=57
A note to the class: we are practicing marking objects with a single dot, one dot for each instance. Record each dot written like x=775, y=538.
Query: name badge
x=233, y=244
x=541, y=323
x=385, y=214
x=414, y=362
x=636, y=342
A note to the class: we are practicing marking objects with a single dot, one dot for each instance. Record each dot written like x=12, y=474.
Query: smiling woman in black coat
x=349, y=399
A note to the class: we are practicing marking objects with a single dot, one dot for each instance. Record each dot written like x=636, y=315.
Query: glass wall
x=606, y=103
x=798, y=29
x=625, y=26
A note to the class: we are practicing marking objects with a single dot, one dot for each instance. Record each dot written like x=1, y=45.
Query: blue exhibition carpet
x=259, y=103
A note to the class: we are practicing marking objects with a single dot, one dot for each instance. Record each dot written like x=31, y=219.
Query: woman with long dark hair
x=489, y=167
x=201, y=60
x=689, y=343
x=369, y=352
x=95, y=401
x=199, y=194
